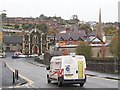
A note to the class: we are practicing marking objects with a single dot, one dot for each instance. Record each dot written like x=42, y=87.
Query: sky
x=86, y=10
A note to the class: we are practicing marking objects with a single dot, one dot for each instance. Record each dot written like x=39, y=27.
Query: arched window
x=35, y=39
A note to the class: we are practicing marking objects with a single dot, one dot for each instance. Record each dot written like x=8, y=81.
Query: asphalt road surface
x=36, y=76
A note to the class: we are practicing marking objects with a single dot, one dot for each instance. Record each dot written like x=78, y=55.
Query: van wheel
x=81, y=84
x=48, y=79
x=59, y=83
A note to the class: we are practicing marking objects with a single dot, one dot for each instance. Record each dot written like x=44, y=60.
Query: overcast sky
x=87, y=10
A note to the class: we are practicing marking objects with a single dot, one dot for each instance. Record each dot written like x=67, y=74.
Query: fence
x=105, y=66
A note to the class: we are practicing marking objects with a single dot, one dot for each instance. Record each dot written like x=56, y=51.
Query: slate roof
x=13, y=39
x=72, y=35
x=95, y=39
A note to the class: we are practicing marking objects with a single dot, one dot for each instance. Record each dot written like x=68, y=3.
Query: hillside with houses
x=40, y=34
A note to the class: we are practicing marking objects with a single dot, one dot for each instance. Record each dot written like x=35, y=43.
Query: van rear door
x=73, y=68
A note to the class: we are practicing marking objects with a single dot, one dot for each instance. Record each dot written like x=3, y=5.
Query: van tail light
x=62, y=73
x=84, y=71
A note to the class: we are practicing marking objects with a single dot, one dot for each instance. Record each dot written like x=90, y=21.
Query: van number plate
x=68, y=76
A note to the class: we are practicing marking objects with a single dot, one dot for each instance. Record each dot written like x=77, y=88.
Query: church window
x=35, y=40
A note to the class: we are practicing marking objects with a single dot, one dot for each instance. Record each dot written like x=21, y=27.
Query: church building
x=33, y=42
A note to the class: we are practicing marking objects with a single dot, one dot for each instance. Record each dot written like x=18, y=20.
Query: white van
x=69, y=69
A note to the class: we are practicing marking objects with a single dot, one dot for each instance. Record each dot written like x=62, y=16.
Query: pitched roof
x=35, y=30
x=73, y=35
x=13, y=39
x=95, y=39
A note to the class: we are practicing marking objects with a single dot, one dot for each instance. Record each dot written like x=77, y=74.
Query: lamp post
x=1, y=19
x=1, y=33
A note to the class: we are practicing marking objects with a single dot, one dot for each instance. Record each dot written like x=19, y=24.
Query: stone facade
x=32, y=42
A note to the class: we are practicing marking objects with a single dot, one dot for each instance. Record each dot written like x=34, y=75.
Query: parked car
x=18, y=55
x=33, y=55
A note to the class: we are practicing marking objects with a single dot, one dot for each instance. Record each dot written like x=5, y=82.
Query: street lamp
x=1, y=19
x=1, y=32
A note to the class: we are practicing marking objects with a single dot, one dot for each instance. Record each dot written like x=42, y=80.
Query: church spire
x=100, y=31
x=100, y=15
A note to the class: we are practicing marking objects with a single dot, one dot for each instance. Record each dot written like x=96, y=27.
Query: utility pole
x=41, y=42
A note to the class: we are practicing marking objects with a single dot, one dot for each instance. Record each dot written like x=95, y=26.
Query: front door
x=35, y=50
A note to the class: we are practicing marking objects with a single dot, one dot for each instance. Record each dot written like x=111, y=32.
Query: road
x=36, y=76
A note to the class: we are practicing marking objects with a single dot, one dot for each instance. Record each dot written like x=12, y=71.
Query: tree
x=84, y=49
x=42, y=27
x=114, y=46
x=110, y=29
x=75, y=17
x=62, y=22
x=74, y=20
x=16, y=26
x=42, y=17
x=25, y=26
x=52, y=32
x=85, y=27
x=28, y=26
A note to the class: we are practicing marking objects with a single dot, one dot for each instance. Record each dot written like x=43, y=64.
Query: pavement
x=7, y=77
x=103, y=75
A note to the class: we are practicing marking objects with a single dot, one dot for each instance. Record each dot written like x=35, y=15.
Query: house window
x=70, y=42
